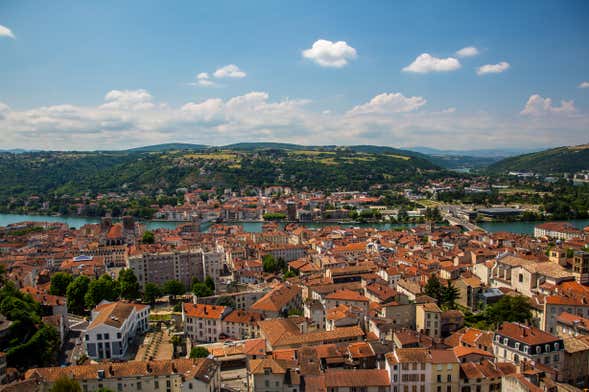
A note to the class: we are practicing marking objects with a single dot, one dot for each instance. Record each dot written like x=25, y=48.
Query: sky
x=448, y=75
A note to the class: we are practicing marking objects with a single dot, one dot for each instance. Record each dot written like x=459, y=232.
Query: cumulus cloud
x=493, y=68
x=387, y=103
x=537, y=106
x=426, y=63
x=135, y=117
x=468, y=51
x=203, y=79
x=229, y=71
x=128, y=100
x=330, y=54
x=584, y=85
x=6, y=32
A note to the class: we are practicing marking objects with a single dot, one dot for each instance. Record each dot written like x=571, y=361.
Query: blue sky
x=61, y=60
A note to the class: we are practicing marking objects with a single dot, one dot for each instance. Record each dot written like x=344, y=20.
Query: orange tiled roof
x=203, y=311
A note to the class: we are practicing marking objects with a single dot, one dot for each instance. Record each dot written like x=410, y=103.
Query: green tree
x=199, y=352
x=75, y=293
x=151, y=292
x=65, y=384
x=210, y=283
x=272, y=264
x=59, y=283
x=40, y=350
x=509, y=308
x=450, y=295
x=128, y=284
x=202, y=290
x=148, y=237
x=433, y=288
x=289, y=274
x=173, y=287
x=103, y=288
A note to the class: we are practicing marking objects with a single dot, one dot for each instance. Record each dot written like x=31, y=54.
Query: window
x=538, y=349
x=521, y=278
x=106, y=336
x=139, y=387
x=556, y=346
x=87, y=337
x=517, y=346
x=547, y=348
x=449, y=378
x=526, y=348
x=99, y=336
x=118, y=335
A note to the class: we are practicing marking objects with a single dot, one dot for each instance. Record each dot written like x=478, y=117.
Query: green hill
x=76, y=173
x=557, y=160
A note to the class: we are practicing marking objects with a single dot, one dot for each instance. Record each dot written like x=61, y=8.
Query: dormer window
x=538, y=349
x=556, y=346
x=505, y=340
x=497, y=338
x=517, y=346
x=547, y=348
x=526, y=349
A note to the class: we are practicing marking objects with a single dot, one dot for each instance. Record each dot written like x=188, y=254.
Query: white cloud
x=203, y=79
x=537, y=106
x=493, y=68
x=425, y=63
x=135, y=117
x=468, y=51
x=330, y=54
x=229, y=71
x=128, y=100
x=388, y=103
x=584, y=85
x=6, y=32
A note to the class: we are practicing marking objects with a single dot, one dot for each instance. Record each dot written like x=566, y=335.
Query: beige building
x=428, y=319
x=176, y=375
x=270, y=375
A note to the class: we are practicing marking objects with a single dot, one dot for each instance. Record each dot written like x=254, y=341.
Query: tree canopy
x=199, y=352
x=202, y=290
x=65, y=384
x=128, y=284
x=151, y=292
x=59, y=283
x=75, y=293
x=173, y=287
x=508, y=308
x=103, y=288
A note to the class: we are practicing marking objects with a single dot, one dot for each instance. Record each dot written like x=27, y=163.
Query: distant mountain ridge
x=565, y=159
x=167, y=147
x=252, y=146
x=482, y=153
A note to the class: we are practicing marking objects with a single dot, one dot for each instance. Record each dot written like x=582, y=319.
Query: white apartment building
x=114, y=325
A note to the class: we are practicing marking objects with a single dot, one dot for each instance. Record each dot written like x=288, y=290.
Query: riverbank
x=256, y=226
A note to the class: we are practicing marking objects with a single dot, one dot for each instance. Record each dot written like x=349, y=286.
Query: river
x=73, y=221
